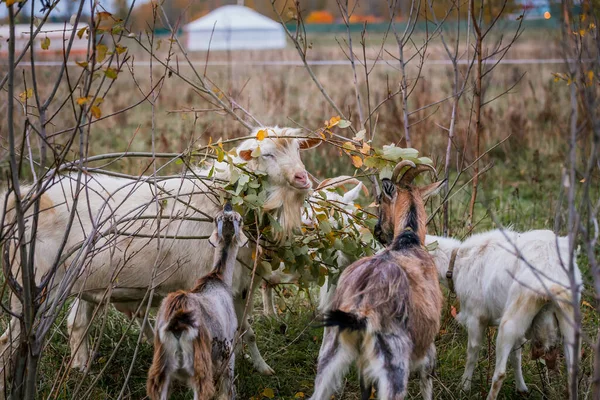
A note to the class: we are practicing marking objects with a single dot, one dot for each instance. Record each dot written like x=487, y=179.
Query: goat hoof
x=266, y=370
x=523, y=392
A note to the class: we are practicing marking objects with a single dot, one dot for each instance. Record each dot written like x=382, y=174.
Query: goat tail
x=345, y=320
x=203, y=365
x=157, y=375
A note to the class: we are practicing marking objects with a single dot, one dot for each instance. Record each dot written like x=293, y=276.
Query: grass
x=521, y=189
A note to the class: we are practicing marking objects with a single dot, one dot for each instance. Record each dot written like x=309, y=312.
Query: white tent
x=235, y=28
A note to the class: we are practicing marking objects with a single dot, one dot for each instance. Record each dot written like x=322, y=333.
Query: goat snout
x=301, y=180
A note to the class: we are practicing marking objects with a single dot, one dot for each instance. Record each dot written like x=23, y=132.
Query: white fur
x=520, y=294
x=121, y=268
x=311, y=209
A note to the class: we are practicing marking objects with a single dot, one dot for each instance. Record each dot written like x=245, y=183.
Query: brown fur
x=394, y=285
x=203, y=367
x=157, y=374
x=177, y=304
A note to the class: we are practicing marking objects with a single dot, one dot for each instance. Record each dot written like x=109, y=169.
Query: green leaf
x=391, y=152
x=425, y=160
x=46, y=43
x=344, y=124
x=101, y=51
x=111, y=73
x=432, y=246
x=325, y=227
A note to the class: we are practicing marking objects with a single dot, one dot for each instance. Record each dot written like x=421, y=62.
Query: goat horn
x=398, y=168
x=412, y=173
x=340, y=181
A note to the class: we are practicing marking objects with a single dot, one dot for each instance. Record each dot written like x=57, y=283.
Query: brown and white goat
x=195, y=329
x=119, y=250
x=386, y=310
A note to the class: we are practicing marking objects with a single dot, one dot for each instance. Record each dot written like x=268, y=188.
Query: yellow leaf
x=269, y=393
x=366, y=149
x=357, y=161
x=96, y=112
x=101, y=51
x=582, y=32
x=587, y=304
x=590, y=75
x=299, y=395
x=46, y=43
x=26, y=95
x=262, y=134
x=120, y=49
x=83, y=100
x=348, y=146
x=82, y=64
x=11, y=2
x=81, y=32
x=111, y=73
x=333, y=121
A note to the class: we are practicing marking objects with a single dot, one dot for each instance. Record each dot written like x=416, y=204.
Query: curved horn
x=412, y=173
x=399, y=166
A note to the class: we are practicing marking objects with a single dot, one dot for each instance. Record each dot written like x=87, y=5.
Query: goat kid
x=116, y=225
x=195, y=329
x=346, y=203
x=518, y=282
x=385, y=312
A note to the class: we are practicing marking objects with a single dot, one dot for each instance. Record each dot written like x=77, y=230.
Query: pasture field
x=521, y=189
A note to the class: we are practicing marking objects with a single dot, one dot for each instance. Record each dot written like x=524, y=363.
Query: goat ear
x=309, y=143
x=431, y=189
x=214, y=238
x=389, y=188
x=242, y=240
x=245, y=155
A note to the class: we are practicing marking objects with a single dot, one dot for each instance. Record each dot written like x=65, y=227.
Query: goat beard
x=285, y=205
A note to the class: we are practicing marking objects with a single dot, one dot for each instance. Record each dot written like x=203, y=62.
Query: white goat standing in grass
x=522, y=294
x=195, y=329
x=346, y=203
x=117, y=222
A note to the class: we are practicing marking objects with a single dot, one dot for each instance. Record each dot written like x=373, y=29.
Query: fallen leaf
x=587, y=304
x=268, y=393
x=299, y=395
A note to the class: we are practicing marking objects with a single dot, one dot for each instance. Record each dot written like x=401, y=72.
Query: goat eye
x=268, y=156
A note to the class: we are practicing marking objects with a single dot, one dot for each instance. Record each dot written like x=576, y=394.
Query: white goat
x=195, y=329
x=117, y=225
x=346, y=203
x=521, y=294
